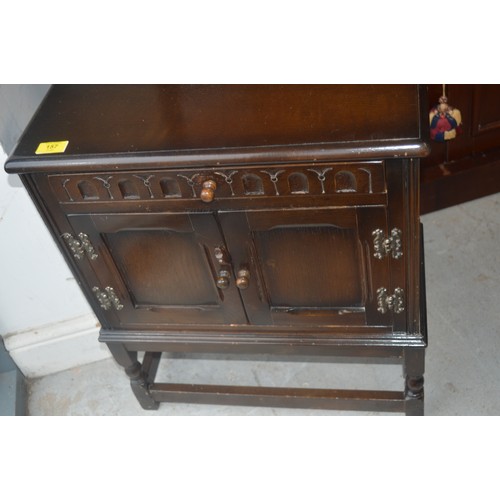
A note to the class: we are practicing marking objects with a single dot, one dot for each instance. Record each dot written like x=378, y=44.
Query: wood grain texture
x=197, y=123
x=240, y=219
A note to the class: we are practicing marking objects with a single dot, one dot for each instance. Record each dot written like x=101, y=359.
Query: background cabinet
x=467, y=167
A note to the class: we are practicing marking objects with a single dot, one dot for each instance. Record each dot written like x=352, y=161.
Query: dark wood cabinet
x=468, y=166
x=242, y=219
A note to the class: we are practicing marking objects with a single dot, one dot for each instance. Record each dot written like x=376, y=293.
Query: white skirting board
x=56, y=347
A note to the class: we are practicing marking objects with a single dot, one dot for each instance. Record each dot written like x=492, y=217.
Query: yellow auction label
x=48, y=148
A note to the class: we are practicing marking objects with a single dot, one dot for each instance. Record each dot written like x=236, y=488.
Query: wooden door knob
x=208, y=191
x=223, y=279
x=243, y=279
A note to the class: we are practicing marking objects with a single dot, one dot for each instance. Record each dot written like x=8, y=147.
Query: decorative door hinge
x=384, y=246
x=393, y=302
x=80, y=245
x=107, y=298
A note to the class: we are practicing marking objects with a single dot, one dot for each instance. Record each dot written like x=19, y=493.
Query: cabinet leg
x=413, y=371
x=133, y=369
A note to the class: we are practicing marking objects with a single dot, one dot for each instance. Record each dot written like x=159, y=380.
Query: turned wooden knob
x=208, y=192
x=223, y=279
x=243, y=279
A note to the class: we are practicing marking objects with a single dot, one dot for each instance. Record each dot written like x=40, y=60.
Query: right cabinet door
x=309, y=266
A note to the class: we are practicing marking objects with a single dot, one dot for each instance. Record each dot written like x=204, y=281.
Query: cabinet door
x=309, y=266
x=161, y=267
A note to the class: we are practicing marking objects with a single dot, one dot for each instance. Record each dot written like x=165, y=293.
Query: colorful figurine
x=445, y=121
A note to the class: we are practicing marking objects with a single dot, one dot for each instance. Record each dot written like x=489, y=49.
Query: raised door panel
x=334, y=281
x=307, y=267
x=161, y=267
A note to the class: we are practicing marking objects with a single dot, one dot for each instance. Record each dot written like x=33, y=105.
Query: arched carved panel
x=365, y=181
x=170, y=188
x=252, y=184
x=345, y=182
x=298, y=183
x=88, y=190
x=128, y=190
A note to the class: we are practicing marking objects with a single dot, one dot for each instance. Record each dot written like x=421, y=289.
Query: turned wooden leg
x=414, y=366
x=138, y=378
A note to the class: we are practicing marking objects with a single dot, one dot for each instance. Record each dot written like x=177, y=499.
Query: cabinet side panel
x=403, y=213
x=49, y=209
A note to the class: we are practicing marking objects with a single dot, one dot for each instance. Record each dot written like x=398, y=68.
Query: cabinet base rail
x=280, y=397
x=150, y=394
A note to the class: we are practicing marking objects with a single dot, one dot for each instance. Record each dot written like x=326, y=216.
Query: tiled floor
x=462, y=247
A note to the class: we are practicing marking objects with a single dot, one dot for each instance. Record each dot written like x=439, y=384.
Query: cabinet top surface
x=214, y=124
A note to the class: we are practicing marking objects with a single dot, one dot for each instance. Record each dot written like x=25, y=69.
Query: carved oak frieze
x=292, y=180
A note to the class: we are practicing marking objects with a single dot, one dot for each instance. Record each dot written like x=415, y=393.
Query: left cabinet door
x=162, y=269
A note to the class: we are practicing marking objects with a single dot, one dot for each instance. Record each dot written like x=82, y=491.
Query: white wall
x=45, y=321
x=36, y=285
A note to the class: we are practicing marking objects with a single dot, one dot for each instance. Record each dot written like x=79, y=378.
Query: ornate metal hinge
x=107, y=298
x=393, y=302
x=80, y=245
x=384, y=246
